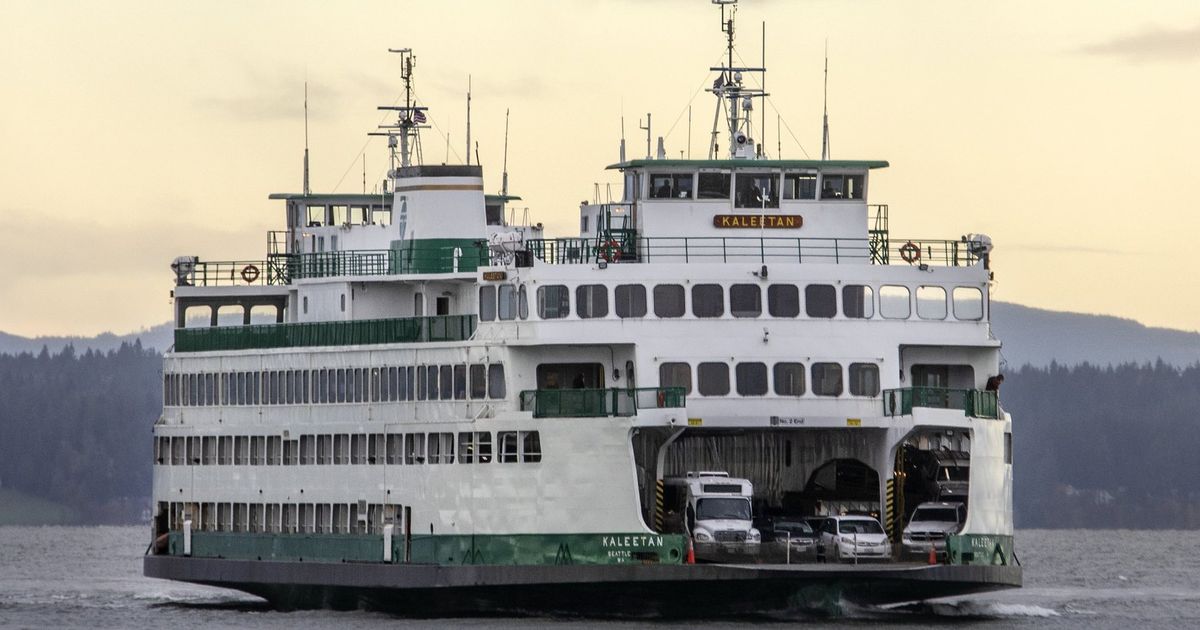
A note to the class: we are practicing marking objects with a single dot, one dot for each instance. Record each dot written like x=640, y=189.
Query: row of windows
x=336, y=385
x=393, y=449
x=785, y=378
x=858, y=301
x=755, y=190
x=289, y=518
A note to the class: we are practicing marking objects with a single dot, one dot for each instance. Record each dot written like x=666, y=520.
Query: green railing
x=973, y=402
x=382, y=262
x=357, y=332
x=877, y=250
x=594, y=403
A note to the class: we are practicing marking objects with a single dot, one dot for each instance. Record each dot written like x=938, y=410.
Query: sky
x=134, y=132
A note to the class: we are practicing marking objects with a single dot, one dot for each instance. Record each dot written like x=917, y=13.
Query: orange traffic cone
x=691, y=552
x=932, y=556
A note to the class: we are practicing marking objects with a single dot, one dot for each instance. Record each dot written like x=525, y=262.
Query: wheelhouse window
x=675, y=375
x=671, y=186
x=668, y=300
x=631, y=300
x=841, y=187
x=745, y=300
x=708, y=300
x=714, y=186
x=507, y=302
x=820, y=300
x=858, y=301
x=894, y=301
x=713, y=378
x=968, y=303
x=757, y=190
x=591, y=300
x=554, y=301
x=827, y=379
x=800, y=186
x=487, y=303
x=931, y=302
x=783, y=300
x=789, y=379
x=864, y=379
x=751, y=379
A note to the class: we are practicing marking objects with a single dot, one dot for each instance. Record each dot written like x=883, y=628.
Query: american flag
x=719, y=83
x=418, y=116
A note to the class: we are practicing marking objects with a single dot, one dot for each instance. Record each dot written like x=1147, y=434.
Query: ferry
x=448, y=412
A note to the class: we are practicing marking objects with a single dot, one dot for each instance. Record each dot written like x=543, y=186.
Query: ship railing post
x=187, y=537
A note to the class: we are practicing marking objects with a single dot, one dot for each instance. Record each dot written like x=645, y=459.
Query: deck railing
x=347, y=333
x=973, y=402
x=753, y=249
x=593, y=403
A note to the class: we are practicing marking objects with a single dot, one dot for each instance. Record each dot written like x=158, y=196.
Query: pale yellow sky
x=133, y=132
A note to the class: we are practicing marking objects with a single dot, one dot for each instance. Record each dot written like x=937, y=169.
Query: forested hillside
x=76, y=429
x=1094, y=447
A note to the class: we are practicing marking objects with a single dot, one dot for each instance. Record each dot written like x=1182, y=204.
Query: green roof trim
x=753, y=164
x=346, y=198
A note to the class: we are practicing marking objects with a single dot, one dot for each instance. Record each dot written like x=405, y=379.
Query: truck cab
x=715, y=507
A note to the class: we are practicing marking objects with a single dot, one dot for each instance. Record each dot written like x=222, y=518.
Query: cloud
x=1152, y=44
x=279, y=96
x=1066, y=249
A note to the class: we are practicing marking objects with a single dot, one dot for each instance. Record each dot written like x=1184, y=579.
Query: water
x=83, y=577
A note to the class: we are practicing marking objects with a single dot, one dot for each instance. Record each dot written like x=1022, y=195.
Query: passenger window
x=507, y=302
x=714, y=379
x=708, y=300
x=446, y=382
x=671, y=186
x=668, y=300
x=531, y=447
x=757, y=190
x=432, y=381
x=478, y=381
x=522, y=303
x=783, y=300
x=508, y=446
x=827, y=379
x=894, y=302
x=864, y=379
x=745, y=300
x=631, y=300
x=820, y=300
x=496, y=381
x=968, y=303
x=789, y=379
x=714, y=186
x=591, y=300
x=800, y=186
x=751, y=379
x=931, y=302
x=858, y=301
x=675, y=375
x=554, y=302
x=460, y=382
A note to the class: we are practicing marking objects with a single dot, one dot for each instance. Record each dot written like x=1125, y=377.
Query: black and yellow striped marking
x=889, y=521
x=658, y=505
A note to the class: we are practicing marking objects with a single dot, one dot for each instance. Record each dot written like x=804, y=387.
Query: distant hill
x=1037, y=336
x=1031, y=336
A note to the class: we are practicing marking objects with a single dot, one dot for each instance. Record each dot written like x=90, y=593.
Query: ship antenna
x=647, y=130
x=307, y=190
x=411, y=116
x=825, y=108
x=469, y=123
x=504, y=174
x=622, y=138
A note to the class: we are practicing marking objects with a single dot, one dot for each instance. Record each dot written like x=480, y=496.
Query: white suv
x=852, y=539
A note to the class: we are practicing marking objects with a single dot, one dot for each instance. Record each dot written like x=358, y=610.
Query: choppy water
x=77, y=577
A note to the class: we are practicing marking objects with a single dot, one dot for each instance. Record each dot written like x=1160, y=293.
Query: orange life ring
x=910, y=252
x=250, y=274
x=611, y=251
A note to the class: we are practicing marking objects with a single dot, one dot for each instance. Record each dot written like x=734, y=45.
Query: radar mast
x=733, y=96
x=404, y=135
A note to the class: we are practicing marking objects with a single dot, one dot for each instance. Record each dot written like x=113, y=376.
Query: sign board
x=493, y=276
x=757, y=221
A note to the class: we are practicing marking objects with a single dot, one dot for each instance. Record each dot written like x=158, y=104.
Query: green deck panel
x=310, y=334
x=750, y=165
x=436, y=255
x=510, y=549
x=980, y=549
x=973, y=402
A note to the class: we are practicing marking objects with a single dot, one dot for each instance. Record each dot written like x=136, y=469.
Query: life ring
x=910, y=252
x=249, y=274
x=611, y=251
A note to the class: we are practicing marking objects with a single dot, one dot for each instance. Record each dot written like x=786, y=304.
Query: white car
x=853, y=538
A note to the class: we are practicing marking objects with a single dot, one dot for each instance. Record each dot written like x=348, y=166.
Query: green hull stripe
x=984, y=549
x=436, y=255
x=518, y=549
